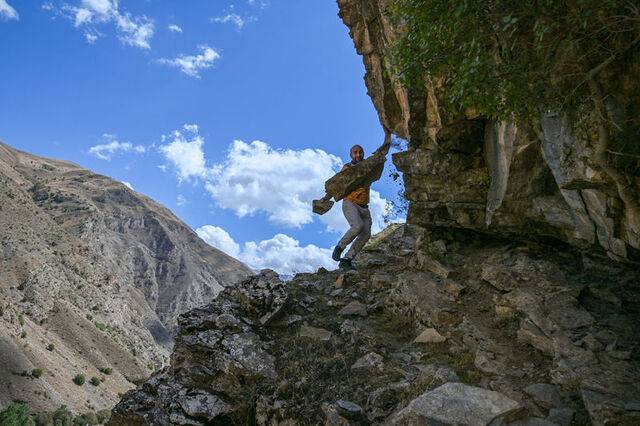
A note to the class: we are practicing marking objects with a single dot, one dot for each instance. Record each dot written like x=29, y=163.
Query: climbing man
x=355, y=207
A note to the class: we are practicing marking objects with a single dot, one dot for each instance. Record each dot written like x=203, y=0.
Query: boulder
x=430, y=335
x=456, y=404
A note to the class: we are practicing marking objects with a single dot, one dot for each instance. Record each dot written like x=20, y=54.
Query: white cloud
x=131, y=30
x=184, y=152
x=191, y=65
x=254, y=177
x=127, y=184
x=181, y=200
x=112, y=146
x=92, y=36
x=230, y=18
x=7, y=12
x=174, y=28
x=220, y=239
x=281, y=253
x=137, y=31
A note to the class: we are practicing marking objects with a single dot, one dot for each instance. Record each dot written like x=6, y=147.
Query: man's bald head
x=356, y=153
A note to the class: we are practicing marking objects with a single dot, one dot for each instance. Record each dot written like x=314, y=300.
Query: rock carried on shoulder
x=354, y=308
x=315, y=333
x=456, y=404
x=430, y=335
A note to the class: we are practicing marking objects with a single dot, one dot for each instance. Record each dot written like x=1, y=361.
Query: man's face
x=357, y=153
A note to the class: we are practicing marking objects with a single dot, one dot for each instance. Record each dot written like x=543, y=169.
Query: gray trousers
x=359, y=219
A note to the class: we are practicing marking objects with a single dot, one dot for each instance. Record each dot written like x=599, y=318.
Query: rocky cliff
x=436, y=327
x=92, y=275
x=511, y=179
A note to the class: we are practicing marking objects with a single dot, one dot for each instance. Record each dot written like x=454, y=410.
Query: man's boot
x=337, y=252
x=345, y=263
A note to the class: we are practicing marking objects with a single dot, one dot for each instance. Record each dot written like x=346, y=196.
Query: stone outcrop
x=92, y=275
x=503, y=178
x=531, y=334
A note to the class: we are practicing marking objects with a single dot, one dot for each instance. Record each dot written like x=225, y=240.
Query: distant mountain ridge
x=99, y=272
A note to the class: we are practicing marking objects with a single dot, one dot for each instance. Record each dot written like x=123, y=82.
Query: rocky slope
x=436, y=327
x=511, y=179
x=92, y=275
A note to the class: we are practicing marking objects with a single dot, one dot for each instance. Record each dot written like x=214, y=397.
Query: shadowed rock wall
x=502, y=178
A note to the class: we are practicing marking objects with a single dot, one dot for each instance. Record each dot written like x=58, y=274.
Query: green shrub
x=95, y=381
x=106, y=370
x=36, y=372
x=51, y=347
x=23, y=334
x=79, y=379
x=85, y=419
x=20, y=319
x=100, y=326
x=16, y=414
x=62, y=416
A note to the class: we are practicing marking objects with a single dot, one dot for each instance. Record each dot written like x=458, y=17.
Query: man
x=355, y=207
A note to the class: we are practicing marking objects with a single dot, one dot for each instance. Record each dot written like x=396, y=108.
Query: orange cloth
x=360, y=196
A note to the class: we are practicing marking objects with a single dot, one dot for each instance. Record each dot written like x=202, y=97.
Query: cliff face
x=92, y=275
x=500, y=178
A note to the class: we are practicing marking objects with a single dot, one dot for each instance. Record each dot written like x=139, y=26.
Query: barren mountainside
x=92, y=275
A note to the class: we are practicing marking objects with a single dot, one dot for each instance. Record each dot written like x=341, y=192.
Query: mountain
x=92, y=275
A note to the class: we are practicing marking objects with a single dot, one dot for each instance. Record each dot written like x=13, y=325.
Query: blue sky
x=232, y=114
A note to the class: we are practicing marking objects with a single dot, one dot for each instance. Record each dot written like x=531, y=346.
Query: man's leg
x=353, y=216
x=364, y=234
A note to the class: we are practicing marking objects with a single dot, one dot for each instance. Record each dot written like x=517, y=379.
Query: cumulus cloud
x=132, y=30
x=220, y=239
x=112, y=146
x=191, y=65
x=7, y=12
x=254, y=177
x=184, y=152
x=281, y=253
x=127, y=184
x=231, y=18
x=174, y=28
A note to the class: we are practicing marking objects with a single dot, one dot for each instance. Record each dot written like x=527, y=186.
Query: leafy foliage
x=16, y=414
x=509, y=57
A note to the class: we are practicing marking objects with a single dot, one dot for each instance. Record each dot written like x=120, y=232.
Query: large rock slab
x=456, y=404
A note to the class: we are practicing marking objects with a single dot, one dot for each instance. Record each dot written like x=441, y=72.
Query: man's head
x=356, y=153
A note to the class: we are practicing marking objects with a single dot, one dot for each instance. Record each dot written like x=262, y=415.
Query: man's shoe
x=346, y=264
x=337, y=252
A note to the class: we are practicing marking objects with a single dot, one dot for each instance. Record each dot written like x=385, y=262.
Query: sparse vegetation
x=23, y=334
x=16, y=414
x=106, y=370
x=95, y=381
x=51, y=347
x=36, y=372
x=20, y=319
x=79, y=379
